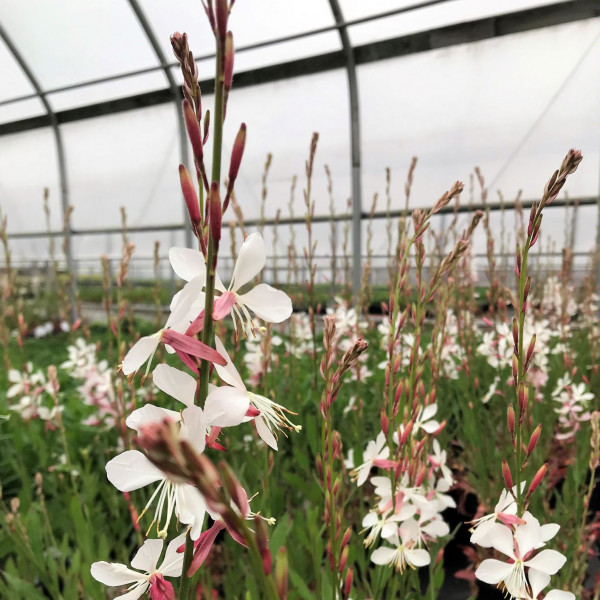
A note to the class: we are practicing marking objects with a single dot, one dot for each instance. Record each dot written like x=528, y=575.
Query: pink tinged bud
x=440, y=556
x=533, y=440
x=343, y=559
x=203, y=546
x=346, y=537
x=510, y=417
x=236, y=154
x=193, y=129
x=206, y=126
x=507, y=476
x=262, y=541
x=421, y=475
x=537, y=479
x=228, y=67
x=191, y=199
x=221, y=16
x=530, y=351
x=406, y=432
x=385, y=424
x=440, y=428
x=281, y=573
x=527, y=288
x=160, y=589
x=348, y=583
x=191, y=346
x=523, y=397
x=515, y=334
x=234, y=488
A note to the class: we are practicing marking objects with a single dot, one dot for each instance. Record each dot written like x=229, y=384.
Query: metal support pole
x=355, y=146
x=176, y=93
x=62, y=166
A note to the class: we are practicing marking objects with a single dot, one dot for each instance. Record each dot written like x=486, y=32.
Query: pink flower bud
x=236, y=154
x=281, y=573
x=191, y=199
x=160, y=589
x=533, y=440
x=507, y=476
x=348, y=583
x=228, y=67
x=537, y=479
x=193, y=129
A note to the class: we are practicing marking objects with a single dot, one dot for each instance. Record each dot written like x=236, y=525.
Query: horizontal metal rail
x=378, y=215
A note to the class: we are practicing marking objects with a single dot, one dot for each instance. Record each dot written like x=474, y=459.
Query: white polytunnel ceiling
x=511, y=101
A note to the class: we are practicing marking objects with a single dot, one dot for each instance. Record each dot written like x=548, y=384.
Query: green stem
x=184, y=589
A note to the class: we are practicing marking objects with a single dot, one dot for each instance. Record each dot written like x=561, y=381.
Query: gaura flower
x=375, y=450
x=145, y=560
x=268, y=415
x=520, y=548
x=267, y=303
x=405, y=554
x=182, y=314
x=132, y=470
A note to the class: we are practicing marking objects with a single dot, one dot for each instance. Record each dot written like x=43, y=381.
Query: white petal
x=192, y=508
x=193, y=428
x=417, y=558
x=493, y=571
x=383, y=556
x=134, y=593
x=150, y=414
x=430, y=426
x=226, y=406
x=269, y=304
x=547, y=561
x=370, y=519
x=429, y=412
x=363, y=473
x=147, y=556
x=131, y=470
x=538, y=581
x=228, y=373
x=175, y=383
x=114, y=573
x=250, y=261
x=265, y=433
x=549, y=531
x=187, y=263
x=528, y=536
x=559, y=595
x=182, y=314
x=502, y=539
x=172, y=564
x=140, y=352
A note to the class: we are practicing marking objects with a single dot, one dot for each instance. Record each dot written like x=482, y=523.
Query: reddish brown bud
x=533, y=440
x=510, y=417
x=221, y=16
x=262, y=541
x=236, y=154
x=343, y=558
x=537, y=479
x=193, y=129
x=191, y=199
x=523, y=398
x=348, y=583
x=507, y=476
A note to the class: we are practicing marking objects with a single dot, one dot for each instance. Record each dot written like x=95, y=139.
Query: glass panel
x=119, y=88
x=512, y=105
x=70, y=41
x=15, y=111
x=14, y=82
x=28, y=165
x=127, y=159
x=438, y=15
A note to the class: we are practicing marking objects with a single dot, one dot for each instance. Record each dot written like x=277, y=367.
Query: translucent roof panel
x=24, y=109
x=28, y=165
x=110, y=90
x=126, y=159
x=69, y=41
x=14, y=82
x=423, y=19
x=512, y=105
x=251, y=22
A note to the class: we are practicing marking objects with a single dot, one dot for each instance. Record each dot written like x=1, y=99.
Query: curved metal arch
x=354, y=144
x=176, y=93
x=62, y=164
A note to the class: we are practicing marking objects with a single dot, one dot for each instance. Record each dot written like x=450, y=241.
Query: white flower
x=267, y=303
x=375, y=450
x=146, y=559
x=271, y=416
x=519, y=547
x=132, y=470
x=405, y=552
x=183, y=312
